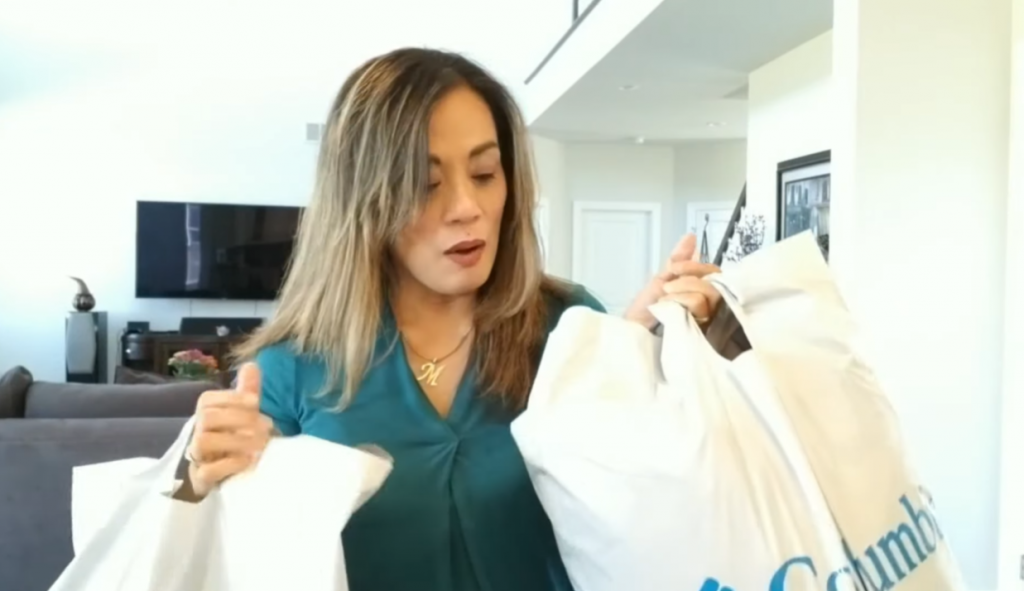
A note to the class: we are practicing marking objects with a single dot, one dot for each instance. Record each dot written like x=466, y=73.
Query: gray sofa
x=48, y=428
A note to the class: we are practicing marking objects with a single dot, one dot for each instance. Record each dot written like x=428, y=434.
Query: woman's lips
x=466, y=253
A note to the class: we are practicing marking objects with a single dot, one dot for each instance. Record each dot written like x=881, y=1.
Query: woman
x=413, y=317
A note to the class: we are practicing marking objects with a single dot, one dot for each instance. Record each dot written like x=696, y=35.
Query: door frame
x=1011, y=443
x=691, y=211
x=542, y=225
x=580, y=208
x=693, y=206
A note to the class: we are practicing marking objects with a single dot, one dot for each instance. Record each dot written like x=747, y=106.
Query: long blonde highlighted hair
x=371, y=180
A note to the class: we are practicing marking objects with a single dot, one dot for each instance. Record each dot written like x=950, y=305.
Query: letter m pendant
x=431, y=372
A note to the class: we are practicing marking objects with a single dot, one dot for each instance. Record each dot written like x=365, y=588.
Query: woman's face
x=450, y=248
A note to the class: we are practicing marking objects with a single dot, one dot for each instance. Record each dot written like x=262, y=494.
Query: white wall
x=612, y=172
x=119, y=102
x=84, y=157
x=921, y=185
x=550, y=163
x=601, y=172
x=791, y=114
x=671, y=176
x=913, y=129
x=707, y=172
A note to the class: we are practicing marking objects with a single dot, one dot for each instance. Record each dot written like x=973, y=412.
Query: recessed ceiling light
x=639, y=139
x=628, y=87
x=716, y=123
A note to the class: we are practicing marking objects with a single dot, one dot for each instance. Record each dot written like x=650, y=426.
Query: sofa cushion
x=48, y=400
x=36, y=458
x=126, y=375
x=13, y=389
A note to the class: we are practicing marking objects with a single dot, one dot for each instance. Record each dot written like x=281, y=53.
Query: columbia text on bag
x=878, y=568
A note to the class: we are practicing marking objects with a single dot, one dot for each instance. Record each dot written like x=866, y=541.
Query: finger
x=691, y=268
x=684, y=249
x=228, y=399
x=696, y=303
x=694, y=285
x=207, y=445
x=219, y=418
x=691, y=284
x=666, y=273
x=248, y=379
x=216, y=471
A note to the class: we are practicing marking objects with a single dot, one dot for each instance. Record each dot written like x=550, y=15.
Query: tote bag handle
x=688, y=358
x=161, y=474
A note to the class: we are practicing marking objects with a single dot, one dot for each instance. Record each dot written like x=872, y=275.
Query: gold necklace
x=432, y=368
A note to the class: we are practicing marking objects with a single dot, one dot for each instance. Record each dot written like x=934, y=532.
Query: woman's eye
x=484, y=178
x=431, y=187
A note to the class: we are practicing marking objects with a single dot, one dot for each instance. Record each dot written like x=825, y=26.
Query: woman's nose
x=462, y=203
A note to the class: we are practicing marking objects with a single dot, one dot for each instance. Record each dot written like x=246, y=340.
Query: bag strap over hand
x=688, y=358
x=162, y=473
x=683, y=343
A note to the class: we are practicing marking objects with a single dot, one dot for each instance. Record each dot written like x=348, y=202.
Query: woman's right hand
x=230, y=433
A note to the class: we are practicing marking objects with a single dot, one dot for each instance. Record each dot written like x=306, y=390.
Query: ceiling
x=682, y=74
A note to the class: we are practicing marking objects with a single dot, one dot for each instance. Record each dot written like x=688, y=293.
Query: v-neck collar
x=460, y=398
x=463, y=391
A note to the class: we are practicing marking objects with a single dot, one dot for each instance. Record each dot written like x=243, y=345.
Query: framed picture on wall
x=804, y=195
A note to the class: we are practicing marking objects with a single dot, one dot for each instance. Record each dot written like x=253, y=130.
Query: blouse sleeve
x=279, y=394
x=582, y=297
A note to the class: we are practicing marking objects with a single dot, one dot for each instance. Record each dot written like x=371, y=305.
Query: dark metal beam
x=575, y=24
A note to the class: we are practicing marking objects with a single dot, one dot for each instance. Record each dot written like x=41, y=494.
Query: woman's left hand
x=682, y=281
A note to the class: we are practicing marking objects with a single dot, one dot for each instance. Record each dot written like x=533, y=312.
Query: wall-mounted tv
x=212, y=251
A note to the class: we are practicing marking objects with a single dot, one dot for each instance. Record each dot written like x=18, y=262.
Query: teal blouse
x=458, y=512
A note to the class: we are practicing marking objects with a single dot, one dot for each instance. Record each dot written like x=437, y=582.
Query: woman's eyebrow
x=478, y=150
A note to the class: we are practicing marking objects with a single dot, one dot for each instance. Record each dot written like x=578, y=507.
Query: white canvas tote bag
x=664, y=467
x=275, y=527
x=805, y=340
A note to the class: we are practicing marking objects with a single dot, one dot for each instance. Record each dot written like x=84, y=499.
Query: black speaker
x=137, y=327
x=85, y=347
x=219, y=326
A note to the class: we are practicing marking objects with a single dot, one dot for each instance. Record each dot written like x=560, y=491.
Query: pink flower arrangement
x=193, y=364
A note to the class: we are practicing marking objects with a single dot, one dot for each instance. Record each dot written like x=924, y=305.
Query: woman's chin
x=465, y=282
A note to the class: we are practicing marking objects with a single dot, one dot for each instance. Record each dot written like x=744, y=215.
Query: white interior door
x=615, y=249
x=712, y=216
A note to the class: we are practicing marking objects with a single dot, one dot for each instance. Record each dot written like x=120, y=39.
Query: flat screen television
x=212, y=251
